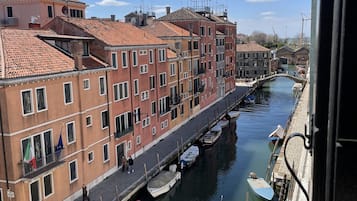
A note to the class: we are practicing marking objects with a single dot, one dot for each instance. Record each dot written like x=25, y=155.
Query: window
x=123, y=122
x=153, y=130
x=143, y=69
x=144, y=95
x=114, y=60
x=50, y=12
x=88, y=120
x=153, y=108
x=47, y=185
x=135, y=58
x=202, y=31
x=172, y=69
x=143, y=52
x=102, y=86
x=124, y=58
x=105, y=153
x=26, y=99
x=76, y=13
x=164, y=124
x=73, y=174
x=85, y=48
x=137, y=115
x=67, y=87
x=121, y=91
x=152, y=82
x=86, y=84
x=41, y=99
x=136, y=87
x=105, y=119
x=1, y=195
x=174, y=114
x=151, y=56
x=146, y=122
x=70, y=132
x=90, y=156
x=138, y=139
x=42, y=148
x=35, y=190
x=164, y=105
x=9, y=12
x=162, y=79
x=182, y=109
x=162, y=55
x=129, y=145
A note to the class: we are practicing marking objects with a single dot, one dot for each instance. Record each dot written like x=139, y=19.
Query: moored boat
x=189, y=156
x=260, y=187
x=277, y=134
x=163, y=182
x=233, y=114
x=211, y=136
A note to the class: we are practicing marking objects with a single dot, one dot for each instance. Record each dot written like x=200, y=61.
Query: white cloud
x=91, y=5
x=267, y=13
x=259, y=1
x=112, y=3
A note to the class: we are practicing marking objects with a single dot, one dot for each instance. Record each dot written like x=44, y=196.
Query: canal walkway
x=297, y=156
x=121, y=186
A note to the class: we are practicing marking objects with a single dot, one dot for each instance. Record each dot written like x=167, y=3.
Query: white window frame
x=91, y=153
x=128, y=145
x=162, y=55
x=69, y=170
x=151, y=56
x=164, y=81
x=135, y=58
x=144, y=68
x=152, y=112
x=136, y=87
x=145, y=122
x=74, y=132
x=145, y=95
x=84, y=85
x=71, y=92
x=136, y=115
x=108, y=157
x=152, y=82
x=52, y=185
x=91, y=121
x=101, y=120
x=115, y=60
x=22, y=102
x=138, y=140
x=44, y=99
x=104, y=85
x=143, y=52
x=39, y=188
x=124, y=55
x=153, y=130
x=1, y=194
x=123, y=88
x=172, y=69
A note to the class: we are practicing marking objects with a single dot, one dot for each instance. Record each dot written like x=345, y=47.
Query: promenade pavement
x=120, y=186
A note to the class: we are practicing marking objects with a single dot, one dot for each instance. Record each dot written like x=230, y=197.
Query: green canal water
x=221, y=171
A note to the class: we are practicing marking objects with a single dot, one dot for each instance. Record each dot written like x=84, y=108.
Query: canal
x=220, y=172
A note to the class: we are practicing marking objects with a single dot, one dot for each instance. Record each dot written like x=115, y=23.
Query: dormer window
x=85, y=48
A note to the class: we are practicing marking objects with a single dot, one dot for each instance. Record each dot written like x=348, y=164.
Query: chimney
x=167, y=10
x=77, y=52
x=112, y=18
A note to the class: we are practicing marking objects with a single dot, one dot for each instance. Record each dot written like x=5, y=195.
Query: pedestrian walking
x=131, y=163
x=123, y=164
x=85, y=193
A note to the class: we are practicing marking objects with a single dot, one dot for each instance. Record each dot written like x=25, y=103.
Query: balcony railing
x=42, y=164
x=11, y=21
x=174, y=100
x=119, y=134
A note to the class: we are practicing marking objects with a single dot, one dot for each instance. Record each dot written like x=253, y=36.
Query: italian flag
x=29, y=155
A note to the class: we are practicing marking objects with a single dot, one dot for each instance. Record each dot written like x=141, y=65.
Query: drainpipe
x=3, y=150
x=107, y=91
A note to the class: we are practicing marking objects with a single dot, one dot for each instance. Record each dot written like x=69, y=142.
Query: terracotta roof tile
x=163, y=28
x=171, y=54
x=251, y=47
x=115, y=33
x=24, y=54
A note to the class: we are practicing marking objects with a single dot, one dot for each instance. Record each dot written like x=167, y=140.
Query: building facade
x=253, y=60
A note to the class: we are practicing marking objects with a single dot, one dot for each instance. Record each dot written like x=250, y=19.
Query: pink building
x=25, y=14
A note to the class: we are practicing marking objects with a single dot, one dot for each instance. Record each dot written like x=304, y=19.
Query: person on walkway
x=131, y=163
x=85, y=193
x=123, y=164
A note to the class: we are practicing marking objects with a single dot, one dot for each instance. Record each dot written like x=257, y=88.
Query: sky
x=286, y=18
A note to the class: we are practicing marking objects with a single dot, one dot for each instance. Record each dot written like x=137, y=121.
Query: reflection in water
x=242, y=148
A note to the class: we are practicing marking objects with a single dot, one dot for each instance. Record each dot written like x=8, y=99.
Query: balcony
x=11, y=21
x=43, y=164
x=175, y=100
x=121, y=133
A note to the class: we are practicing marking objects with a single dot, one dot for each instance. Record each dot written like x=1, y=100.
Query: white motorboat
x=277, y=134
x=163, y=182
x=233, y=114
x=211, y=136
x=260, y=187
x=223, y=123
x=188, y=157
